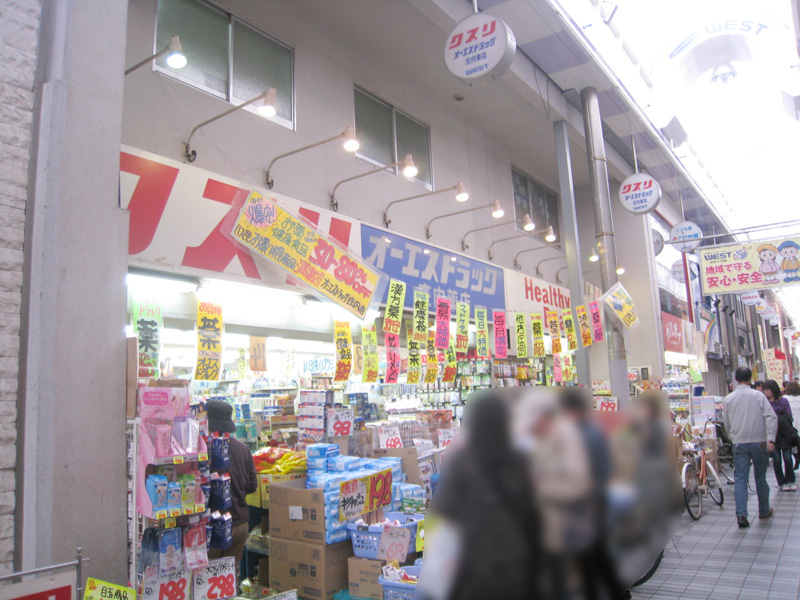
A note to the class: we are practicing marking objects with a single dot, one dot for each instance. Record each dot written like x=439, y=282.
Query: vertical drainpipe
x=754, y=333
x=604, y=227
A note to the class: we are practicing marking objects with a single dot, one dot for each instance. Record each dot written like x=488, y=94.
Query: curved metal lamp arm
x=387, y=222
x=521, y=252
x=453, y=214
x=541, y=262
x=513, y=237
x=268, y=179
x=558, y=279
x=464, y=238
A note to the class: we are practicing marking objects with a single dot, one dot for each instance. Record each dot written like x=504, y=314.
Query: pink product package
x=163, y=402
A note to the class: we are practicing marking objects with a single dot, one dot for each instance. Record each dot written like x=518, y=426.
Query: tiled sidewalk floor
x=713, y=559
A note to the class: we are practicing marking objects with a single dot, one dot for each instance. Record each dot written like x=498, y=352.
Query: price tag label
x=174, y=586
x=606, y=403
x=102, y=590
x=389, y=437
x=363, y=495
x=161, y=514
x=177, y=460
x=174, y=512
x=203, y=456
x=446, y=437
x=199, y=508
x=394, y=543
x=340, y=422
x=217, y=580
x=170, y=523
x=188, y=510
x=290, y=595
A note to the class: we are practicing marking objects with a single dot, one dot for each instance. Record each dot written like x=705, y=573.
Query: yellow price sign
x=203, y=456
x=177, y=460
x=170, y=523
x=102, y=590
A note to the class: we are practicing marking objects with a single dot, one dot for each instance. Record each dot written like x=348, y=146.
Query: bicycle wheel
x=692, y=497
x=653, y=568
x=714, y=485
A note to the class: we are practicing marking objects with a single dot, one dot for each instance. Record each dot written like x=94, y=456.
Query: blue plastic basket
x=418, y=562
x=366, y=541
x=393, y=590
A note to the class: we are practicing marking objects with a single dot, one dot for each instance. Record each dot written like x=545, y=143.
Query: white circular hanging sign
x=658, y=242
x=687, y=234
x=789, y=332
x=750, y=298
x=480, y=46
x=640, y=193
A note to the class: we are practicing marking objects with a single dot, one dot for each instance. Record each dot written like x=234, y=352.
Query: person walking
x=792, y=393
x=785, y=439
x=752, y=426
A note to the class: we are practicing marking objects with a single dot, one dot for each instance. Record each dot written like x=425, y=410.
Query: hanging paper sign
x=555, y=331
x=102, y=590
x=173, y=586
x=365, y=494
x=442, y=323
x=449, y=374
x=687, y=235
x=369, y=345
x=273, y=233
x=569, y=327
x=537, y=328
x=597, y=323
x=521, y=335
x=258, y=354
x=420, y=317
x=414, y=358
x=621, y=304
x=242, y=364
x=640, y=193
x=340, y=422
x=394, y=543
x=217, y=580
x=392, y=344
x=147, y=326
x=788, y=333
x=446, y=437
x=500, y=336
x=344, y=352
x=209, y=341
x=432, y=368
x=389, y=437
x=482, y=335
x=462, y=326
x=750, y=298
x=583, y=325
x=606, y=403
x=558, y=375
x=750, y=266
x=773, y=366
x=395, y=301
x=566, y=368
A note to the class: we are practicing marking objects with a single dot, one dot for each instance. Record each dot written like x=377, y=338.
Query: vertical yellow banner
x=537, y=328
x=568, y=373
x=369, y=346
x=462, y=326
x=555, y=332
x=414, y=358
x=450, y=364
x=569, y=327
x=432, y=370
x=522, y=335
x=420, y=317
x=209, y=341
x=482, y=336
x=344, y=351
x=395, y=299
x=584, y=326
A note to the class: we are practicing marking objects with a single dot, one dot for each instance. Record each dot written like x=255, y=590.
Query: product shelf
x=179, y=459
x=173, y=513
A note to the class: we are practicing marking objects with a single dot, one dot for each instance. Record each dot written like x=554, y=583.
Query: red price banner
x=217, y=580
x=174, y=586
x=360, y=496
x=340, y=422
x=389, y=437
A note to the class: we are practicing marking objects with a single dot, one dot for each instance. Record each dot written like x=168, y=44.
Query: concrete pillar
x=72, y=488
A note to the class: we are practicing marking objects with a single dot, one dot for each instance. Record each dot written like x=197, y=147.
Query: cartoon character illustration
x=790, y=265
x=769, y=266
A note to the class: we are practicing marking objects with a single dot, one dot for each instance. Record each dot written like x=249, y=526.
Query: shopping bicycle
x=699, y=479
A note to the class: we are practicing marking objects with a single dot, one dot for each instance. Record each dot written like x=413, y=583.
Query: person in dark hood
x=485, y=494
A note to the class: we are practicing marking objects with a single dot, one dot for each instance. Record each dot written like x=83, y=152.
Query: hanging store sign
x=479, y=47
x=344, y=350
x=442, y=323
x=521, y=335
x=369, y=345
x=147, y=326
x=209, y=341
x=420, y=332
x=395, y=300
x=392, y=344
x=686, y=236
x=414, y=357
x=789, y=332
x=533, y=295
x=583, y=325
x=437, y=272
x=749, y=298
x=258, y=354
x=751, y=266
x=294, y=245
x=678, y=334
x=597, y=322
x=555, y=331
x=767, y=313
x=619, y=301
x=658, y=242
x=537, y=330
x=449, y=374
x=558, y=374
x=677, y=271
x=640, y=193
x=775, y=321
x=569, y=328
x=772, y=365
x=432, y=365
x=500, y=336
x=462, y=327
x=482, y=333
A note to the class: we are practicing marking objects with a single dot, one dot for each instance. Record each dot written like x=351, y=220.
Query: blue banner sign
x=438, y=272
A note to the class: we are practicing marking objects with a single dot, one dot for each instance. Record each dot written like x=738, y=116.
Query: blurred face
x=768, y=394
x=542, y=426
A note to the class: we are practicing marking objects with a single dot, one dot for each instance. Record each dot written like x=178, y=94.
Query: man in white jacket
x=752, y=426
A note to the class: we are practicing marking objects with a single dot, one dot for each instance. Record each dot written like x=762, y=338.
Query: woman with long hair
x=786, y=439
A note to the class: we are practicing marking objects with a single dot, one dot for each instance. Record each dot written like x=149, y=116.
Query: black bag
x=787, y=435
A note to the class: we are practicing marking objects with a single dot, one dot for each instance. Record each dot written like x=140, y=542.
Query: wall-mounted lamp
x=517, y=264
x=409, y=169
x=528, y=225
x=266, y=107
x=541, y=262
x=461, y=196
x=593, y=256
x=350, y=144
x=176, y=59
x=550, y=235
x=497, y=212
x=513, y=237
x=620, y=269
x=558, y=274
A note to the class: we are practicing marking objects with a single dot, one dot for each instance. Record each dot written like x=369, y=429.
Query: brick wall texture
x=19, y=32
